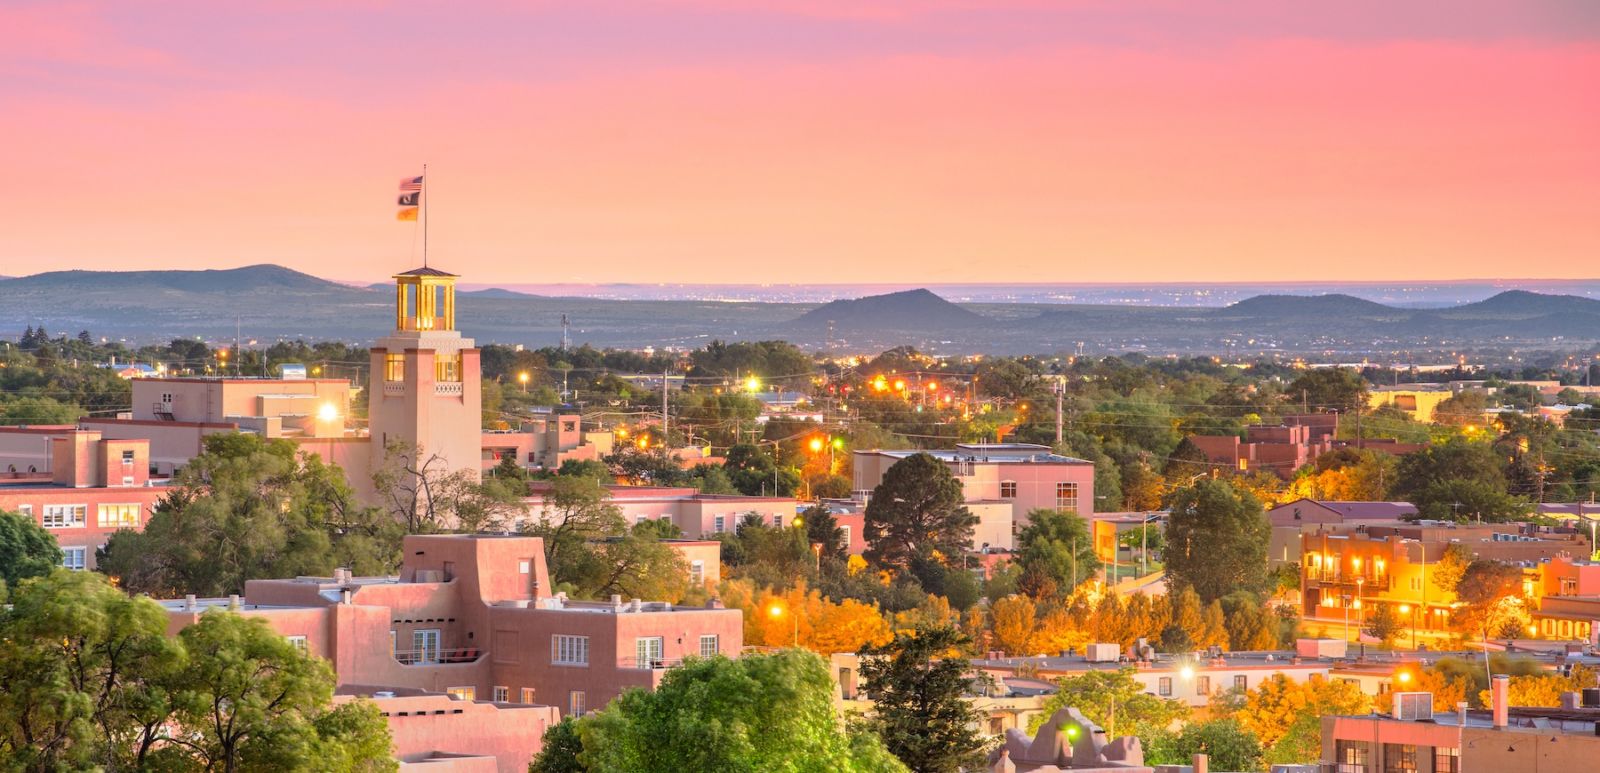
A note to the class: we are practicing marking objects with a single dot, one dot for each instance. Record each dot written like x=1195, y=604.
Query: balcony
x=438, y=657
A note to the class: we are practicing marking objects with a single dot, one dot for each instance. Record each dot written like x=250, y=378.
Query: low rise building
x=90, y=488
x=1001, y=483
x=472, y=617
x=1418, y=736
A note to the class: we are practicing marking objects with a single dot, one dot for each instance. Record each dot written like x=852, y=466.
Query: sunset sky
x=807, y=141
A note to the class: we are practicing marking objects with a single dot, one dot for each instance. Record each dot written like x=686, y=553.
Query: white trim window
x=719, y=524
x=569, y=650
x=65, y=516
x=577, y=703
x=502, y=694
x=1067, y=496
x=298, y=642
x=710, y=645
x=697, y=573
x=75, y=558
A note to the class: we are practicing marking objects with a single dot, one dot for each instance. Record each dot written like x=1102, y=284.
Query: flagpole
x=422, y=192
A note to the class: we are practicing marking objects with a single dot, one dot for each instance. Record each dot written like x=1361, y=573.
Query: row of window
x=1066, y=494
x=446, y=367
x=1356, y=757
x=566, y=650
x=76, y=516
x=1202, y=684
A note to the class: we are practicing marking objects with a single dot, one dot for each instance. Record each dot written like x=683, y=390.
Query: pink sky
x=808, y=141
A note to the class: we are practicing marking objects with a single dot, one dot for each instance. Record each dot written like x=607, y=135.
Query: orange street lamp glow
x=899, y=385
x=933, y=386
x=816, y=445
x=775, y=611
x=644, y=441
x=752, y=384
x=880, y=383
x=1404, y=677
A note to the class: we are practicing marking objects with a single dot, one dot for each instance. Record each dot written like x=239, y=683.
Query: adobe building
x=1001, y=482
x=91, y=487
x=699, y=516
x=1418, y=736
x=473, y=617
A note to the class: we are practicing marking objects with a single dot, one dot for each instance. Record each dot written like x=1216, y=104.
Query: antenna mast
x=423, y=194
x=564, y=325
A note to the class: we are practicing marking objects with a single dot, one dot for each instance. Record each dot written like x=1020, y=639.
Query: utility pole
x=1061, y=391
x=664, y=416
x=564, y=326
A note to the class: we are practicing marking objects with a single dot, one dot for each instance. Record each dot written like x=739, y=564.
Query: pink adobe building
x=700, y=516
x=472, y=616
x=93, y=486
x=1001, y=482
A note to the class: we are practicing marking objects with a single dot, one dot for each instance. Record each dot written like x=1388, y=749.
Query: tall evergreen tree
x=916, y=511
x=918, y=684
x=1217, y=540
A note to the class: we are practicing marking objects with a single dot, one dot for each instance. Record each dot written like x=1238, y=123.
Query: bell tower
x=425, y=379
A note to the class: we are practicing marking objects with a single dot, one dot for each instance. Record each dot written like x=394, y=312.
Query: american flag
x=411, y=183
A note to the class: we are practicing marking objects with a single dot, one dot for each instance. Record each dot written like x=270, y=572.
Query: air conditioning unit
x=1413, y=706
x=1102, y=653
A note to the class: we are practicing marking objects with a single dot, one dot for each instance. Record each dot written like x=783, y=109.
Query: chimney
x=1500, y=692
x=233, y=602
x=1202, y=763
x=344, y=596
x=189, y=601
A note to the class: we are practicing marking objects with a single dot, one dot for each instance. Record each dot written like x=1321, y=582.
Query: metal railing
x=434, y=657
x=648, y=663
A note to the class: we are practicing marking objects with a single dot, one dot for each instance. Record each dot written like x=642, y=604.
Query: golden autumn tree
x=1287, y=714
x=1012, y=622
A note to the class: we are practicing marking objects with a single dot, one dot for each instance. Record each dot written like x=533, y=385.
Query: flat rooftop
x=1004, y=453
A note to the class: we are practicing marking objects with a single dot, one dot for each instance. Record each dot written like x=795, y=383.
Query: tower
x=425, y=377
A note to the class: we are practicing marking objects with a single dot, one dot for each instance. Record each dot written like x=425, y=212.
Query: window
x=119, y=516
x=1241, y=682
x=298, y=642
x=463, y=693
x=1008, y=489
x=25, y=510
x=641, y=518
x=777, y=521
x=394, y=367
x=73, y=558
x=569, y=426
x=569, y=650
x=65, y=516
x=1351, y=756
x=127, y=480
x=709, y=645
x=527, y=695
x=1202, y=685
x=719, y=524
x=577, y=703
x=648, y=651
x=697, y=573
x=845, y=537
x=447, y=367
x=1399, y=758
x=502, y=694
x=1067, y=496
x=127, y=458
x=1164, y=687
x=524, y=566
x=1446, y=759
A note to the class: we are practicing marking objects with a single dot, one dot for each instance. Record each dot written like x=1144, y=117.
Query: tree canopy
x=1217, y=540
x=918, y=510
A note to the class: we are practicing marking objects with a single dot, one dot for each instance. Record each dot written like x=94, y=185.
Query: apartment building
x=700, y=516
x=89, y=487
x=1001, y=482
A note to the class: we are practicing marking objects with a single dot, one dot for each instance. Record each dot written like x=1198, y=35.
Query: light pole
x=523, y=377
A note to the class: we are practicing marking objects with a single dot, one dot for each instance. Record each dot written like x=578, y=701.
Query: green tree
x=86, y=671
x=1116, y=701
x=1057, y=543
x=574, y=511
x=756, y=713
x=1490, y=598
x=562, y=749
x=916, y=511
x=353, y=737
x=26, y=550
x=1383, y=623
x=1457, y=480
x=918, y=684
x=823, y=529
x=248, y=508
x=1337, y=389
x=1225, y=742
x=1216, y=540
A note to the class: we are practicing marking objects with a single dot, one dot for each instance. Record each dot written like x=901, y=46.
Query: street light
x=776, y=612
x=523, y=377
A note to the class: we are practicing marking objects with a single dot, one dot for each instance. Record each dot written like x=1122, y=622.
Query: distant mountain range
x=270, y=302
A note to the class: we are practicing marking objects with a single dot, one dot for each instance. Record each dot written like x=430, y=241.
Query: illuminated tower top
x=425, y=300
